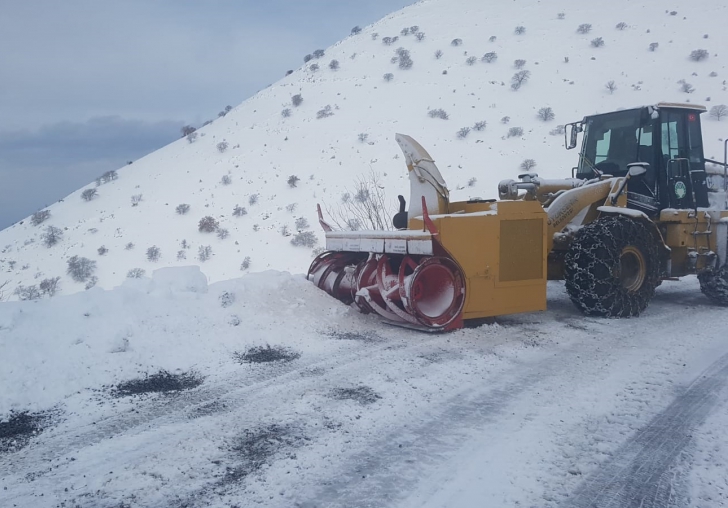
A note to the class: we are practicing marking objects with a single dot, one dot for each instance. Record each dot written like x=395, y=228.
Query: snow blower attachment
x=641, y=207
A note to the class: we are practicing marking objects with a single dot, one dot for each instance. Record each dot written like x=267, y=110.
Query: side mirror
x=570, y=134
x=637, y=168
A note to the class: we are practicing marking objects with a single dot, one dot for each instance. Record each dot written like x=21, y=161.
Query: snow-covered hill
x=360, y=111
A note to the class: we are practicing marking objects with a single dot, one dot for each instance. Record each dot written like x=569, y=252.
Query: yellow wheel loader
x=640, y=207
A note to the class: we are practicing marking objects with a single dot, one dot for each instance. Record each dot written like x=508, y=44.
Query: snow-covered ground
x=210, y=386
x=547, y=409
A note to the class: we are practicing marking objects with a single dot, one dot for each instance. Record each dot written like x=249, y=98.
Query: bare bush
x=102, y=250
x=182, y=209
x=505, y=119
x=584, y=28
x=611, y=86
x=91, y=282
x=239, y=211
x=135, y=273
x=519, y=64
x=129, y=246
x=438, y=113
x=252, y=199
x=492, y=38
x=314, y=67
x=366, y=206
x=302, y=223
x=222, y=233
x=286, y=113
x=519, y=78
x=208, y=224
x=405, y=62
x=136, y=199
x=222, y=146
x=561, y=15
x=489, y=57
x=226, y=180
x=187, y=130
x=293, y=181
x=334, y=65
x=304, y=239
x=356, y=30
x=480, y=126
x=546, y=114
x=598, y=42
x=89, y=194
x=388, y=41
x=718, y=112
x=296, y=100
x=3, y=285
x=699, y=54
x=472, y=182
x=621, y=25
x=191, y=137
x=319, y=53
x=519, y=30
x=363, y=136
x=528, y=164
x=285, y=231
x=204, y=253
x=388, y=77
x=420, y=36
x=515, y=132
x=686, y=87
x=40, y=217
x=80, y=269
x=471, y=60
x=324, y=113
x=153, y=253
x=463, y=133
x=49, y=287
x=557, y=131
x=654, y=46
x=245, y=264
x=456, y=42
x=26, y=293
x=181, y=255
x=438, y=54
x=51, y=236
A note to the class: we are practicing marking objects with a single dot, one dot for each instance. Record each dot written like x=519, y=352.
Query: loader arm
x=579, y=206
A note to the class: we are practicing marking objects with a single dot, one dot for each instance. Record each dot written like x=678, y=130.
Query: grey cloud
x=39, y=167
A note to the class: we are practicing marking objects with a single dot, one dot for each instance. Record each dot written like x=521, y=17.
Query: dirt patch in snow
x=266, y=354
x=258, y=447
x=161, y=382
x=18, y=428
x=357, y=336
x=362, y=394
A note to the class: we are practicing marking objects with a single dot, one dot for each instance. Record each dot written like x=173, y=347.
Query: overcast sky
x=86, y=85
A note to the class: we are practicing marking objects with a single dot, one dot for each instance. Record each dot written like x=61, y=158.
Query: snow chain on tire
x=594, y=262
x=714, y=284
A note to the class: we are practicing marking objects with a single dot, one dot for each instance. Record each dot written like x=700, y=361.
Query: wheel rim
x=632, y=269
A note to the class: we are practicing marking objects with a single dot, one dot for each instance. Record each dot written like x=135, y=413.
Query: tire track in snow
x=641, y=474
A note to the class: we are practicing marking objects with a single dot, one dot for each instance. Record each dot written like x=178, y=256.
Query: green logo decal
x=680, y=190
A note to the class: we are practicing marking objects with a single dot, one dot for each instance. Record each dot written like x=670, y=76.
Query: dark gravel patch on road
x=356, y=336
x=17, y=429
x=266, y=354
x=161, y=382
x=257, y=447
x=362, y=394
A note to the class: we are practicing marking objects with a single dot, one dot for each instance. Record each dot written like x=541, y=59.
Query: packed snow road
x=264, y=392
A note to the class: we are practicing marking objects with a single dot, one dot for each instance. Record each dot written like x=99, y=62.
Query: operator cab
x=667, y=138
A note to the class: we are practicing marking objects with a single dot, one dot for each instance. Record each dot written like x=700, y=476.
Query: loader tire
x=612, y=267
x=714, y=284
